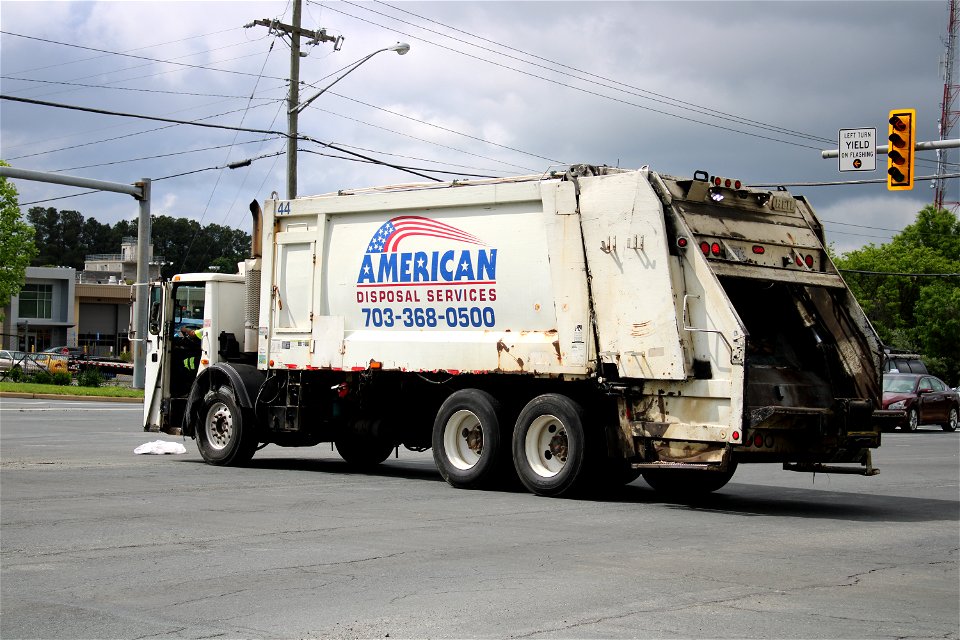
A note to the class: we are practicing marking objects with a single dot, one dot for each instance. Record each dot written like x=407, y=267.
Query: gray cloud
x=811, y=67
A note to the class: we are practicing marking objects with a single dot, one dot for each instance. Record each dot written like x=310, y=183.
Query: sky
x=751, y=90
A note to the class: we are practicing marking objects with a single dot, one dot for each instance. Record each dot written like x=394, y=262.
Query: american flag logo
x=388, y=236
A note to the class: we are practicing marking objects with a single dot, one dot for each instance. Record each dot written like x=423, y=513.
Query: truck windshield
x=188, y=306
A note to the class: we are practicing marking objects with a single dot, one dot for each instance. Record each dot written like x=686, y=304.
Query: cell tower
x=948, y=114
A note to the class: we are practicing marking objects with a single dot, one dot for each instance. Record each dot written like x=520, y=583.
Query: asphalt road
x=96, y=542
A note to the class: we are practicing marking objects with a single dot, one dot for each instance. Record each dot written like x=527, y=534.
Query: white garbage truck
x=574, y=330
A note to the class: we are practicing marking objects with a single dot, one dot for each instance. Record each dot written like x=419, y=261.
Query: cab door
x=156, y=383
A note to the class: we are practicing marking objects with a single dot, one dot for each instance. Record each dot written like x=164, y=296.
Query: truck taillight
x=715, y=248
x=705, y=248
x=809, y=261
x=729, y=183
x=682, y=242
x=758, y=250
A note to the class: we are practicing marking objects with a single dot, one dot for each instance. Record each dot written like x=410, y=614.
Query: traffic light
x=900, y=155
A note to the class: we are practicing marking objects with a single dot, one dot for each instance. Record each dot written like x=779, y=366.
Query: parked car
x=71, y=352
x=31, y=362
x=925, y=398
x=894, y=362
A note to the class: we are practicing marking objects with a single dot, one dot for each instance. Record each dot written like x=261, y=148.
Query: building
x=104, y=314
x=118, y=268
x=43, y=314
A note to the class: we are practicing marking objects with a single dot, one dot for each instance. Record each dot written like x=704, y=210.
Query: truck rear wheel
x=550, y=449
x=686, y=482
x=226, y=435
x=467, y=442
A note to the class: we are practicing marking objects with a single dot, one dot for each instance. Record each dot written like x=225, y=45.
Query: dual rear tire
x=476, y=446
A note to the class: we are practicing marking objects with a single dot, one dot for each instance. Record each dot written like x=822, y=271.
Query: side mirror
x=155, y=318
x=924, y=390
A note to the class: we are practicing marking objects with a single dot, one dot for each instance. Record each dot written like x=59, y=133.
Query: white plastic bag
x=160, y=447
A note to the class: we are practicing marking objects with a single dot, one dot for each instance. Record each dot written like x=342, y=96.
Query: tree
x=914, y=312
x=60, y=237
x=16, y=243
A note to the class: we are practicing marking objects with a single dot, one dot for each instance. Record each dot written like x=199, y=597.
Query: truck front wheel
x=467, y=443
x=226, y=435
x=550, y=449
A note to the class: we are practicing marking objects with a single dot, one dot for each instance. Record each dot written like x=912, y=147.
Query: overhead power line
x=61, y=64
x=130, y=55
x=581, y=89
x=213, y=126
x=633, y=90
x=138, y=89
x=163, y=155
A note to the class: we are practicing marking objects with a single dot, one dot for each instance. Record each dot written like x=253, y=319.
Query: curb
x=55, y=396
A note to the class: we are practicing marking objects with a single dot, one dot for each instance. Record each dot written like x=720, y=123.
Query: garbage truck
x=573, y=330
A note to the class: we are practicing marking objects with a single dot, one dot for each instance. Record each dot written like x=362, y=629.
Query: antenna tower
x=948, y=114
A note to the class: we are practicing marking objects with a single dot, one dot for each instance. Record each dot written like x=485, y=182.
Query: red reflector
x=737, y=184
x=717, y=181
x=736, y=435
x=727, y=183
x=715, y=249
x=682, y=242
x=757, y=249
x=705, y=247
x=798, y=261
x=758, y=440
x=809, y=261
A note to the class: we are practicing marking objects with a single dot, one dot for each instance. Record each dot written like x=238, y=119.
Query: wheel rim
x=914, y=420
x=463, y=439
x=952, y=422
x=219, y=426
x=546, y=446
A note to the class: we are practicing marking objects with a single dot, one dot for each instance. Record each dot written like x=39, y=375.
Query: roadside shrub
x=16, y=375
x=42, y=377
x=90, y=377
x=62, y=378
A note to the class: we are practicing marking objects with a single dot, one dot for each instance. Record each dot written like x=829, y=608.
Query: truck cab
x=208, y=303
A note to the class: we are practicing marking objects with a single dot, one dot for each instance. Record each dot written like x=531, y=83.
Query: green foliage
x=125, y=356
x=17, y=246
x=61, y=378
x=916, y=313
x=65, y=238
x=89, y=377
x=16, y=374
x=42, y=377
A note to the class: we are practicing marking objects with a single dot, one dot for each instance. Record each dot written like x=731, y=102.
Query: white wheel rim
x=219, y=426
x=463, y=439
x=546, y=446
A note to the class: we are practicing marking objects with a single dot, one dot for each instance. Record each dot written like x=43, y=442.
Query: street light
x=401, y=48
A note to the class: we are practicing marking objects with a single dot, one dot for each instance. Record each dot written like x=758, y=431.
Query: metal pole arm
x=920, y=146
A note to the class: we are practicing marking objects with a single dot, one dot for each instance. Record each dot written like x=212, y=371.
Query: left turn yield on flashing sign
x=858, y=149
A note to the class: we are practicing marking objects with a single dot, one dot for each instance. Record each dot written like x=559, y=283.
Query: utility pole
x=294, y=32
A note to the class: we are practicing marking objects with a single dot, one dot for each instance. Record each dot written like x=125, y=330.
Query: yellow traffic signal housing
x=902, y=137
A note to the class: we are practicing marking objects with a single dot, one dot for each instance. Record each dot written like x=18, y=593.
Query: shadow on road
x=736, y=499
x=762, y=500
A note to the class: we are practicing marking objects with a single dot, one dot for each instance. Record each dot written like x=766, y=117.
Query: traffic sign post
x=858, y=149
